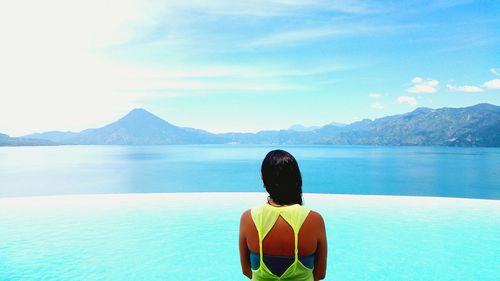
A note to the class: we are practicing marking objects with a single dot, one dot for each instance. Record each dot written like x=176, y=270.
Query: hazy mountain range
x=477, y=125
x=5, y=140
x=138, y=127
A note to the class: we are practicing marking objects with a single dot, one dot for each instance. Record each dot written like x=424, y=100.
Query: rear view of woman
x=281, y=239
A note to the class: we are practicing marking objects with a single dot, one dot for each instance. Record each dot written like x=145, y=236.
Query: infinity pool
x=193, y=236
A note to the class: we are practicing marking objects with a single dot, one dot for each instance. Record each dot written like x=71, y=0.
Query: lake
x=371, y=170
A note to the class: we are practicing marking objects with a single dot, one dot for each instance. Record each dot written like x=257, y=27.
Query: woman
x=281, y=239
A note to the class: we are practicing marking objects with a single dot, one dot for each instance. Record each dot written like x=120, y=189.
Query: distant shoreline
x=252, y=196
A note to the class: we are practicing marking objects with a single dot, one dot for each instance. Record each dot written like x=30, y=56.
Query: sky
x=241, y=66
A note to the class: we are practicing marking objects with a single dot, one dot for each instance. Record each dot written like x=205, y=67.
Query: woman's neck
x=271, y=202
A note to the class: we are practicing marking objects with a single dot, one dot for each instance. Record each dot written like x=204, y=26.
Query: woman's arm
x=321, y=251
x=244, y=252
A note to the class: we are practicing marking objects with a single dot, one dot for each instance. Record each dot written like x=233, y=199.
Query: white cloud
x=377, y=105
x=374, y=96
x=423, y=86
x=466, y=88
x=417, y=80
x=406, y=99
x=55, y=76
x=52, y=78
x=62, y=94
x=296, y=36
x=492, y=84
x=241, y=71
x=272, y=8
x=299, y=36
x=495, y=71
x=59, y=24
x=205, y=86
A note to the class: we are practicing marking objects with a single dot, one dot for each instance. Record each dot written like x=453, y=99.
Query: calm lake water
x=415, y=171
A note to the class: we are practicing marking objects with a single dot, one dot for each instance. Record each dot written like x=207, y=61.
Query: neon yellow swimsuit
x=264, y=217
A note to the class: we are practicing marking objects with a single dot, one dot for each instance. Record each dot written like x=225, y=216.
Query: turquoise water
x=417, y=171
x=138, y=227
x=193, y=236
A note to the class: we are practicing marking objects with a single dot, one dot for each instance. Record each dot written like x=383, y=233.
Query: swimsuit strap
x=296, y=238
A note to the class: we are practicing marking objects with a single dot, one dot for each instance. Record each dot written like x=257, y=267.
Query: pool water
x=193, y=236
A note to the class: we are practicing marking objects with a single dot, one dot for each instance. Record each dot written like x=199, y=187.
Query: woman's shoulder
x=315, y=218
x=314, y=214
x=246, y=222
x=246, y=214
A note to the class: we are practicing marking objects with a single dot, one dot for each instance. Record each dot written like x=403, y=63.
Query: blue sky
x=240, y=66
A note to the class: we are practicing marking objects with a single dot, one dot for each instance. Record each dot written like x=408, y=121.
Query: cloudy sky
x=240, y=66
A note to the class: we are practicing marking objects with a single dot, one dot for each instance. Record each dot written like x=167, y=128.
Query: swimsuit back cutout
x=264, y=218
x=278, y=264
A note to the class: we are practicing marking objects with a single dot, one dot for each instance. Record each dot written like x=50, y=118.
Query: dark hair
x=282, y=178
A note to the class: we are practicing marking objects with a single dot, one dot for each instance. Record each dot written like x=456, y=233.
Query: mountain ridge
x=477, y=125
x=6, y=140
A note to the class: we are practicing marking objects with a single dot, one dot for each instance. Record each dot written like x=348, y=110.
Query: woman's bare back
x=280, y=239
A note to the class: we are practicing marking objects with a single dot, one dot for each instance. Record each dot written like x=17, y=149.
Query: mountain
x=138, y=127
x=5, y=140
x=477, y=125
x=301, y=128
x=54, y=136
x=337, y=124
x=269, y=137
